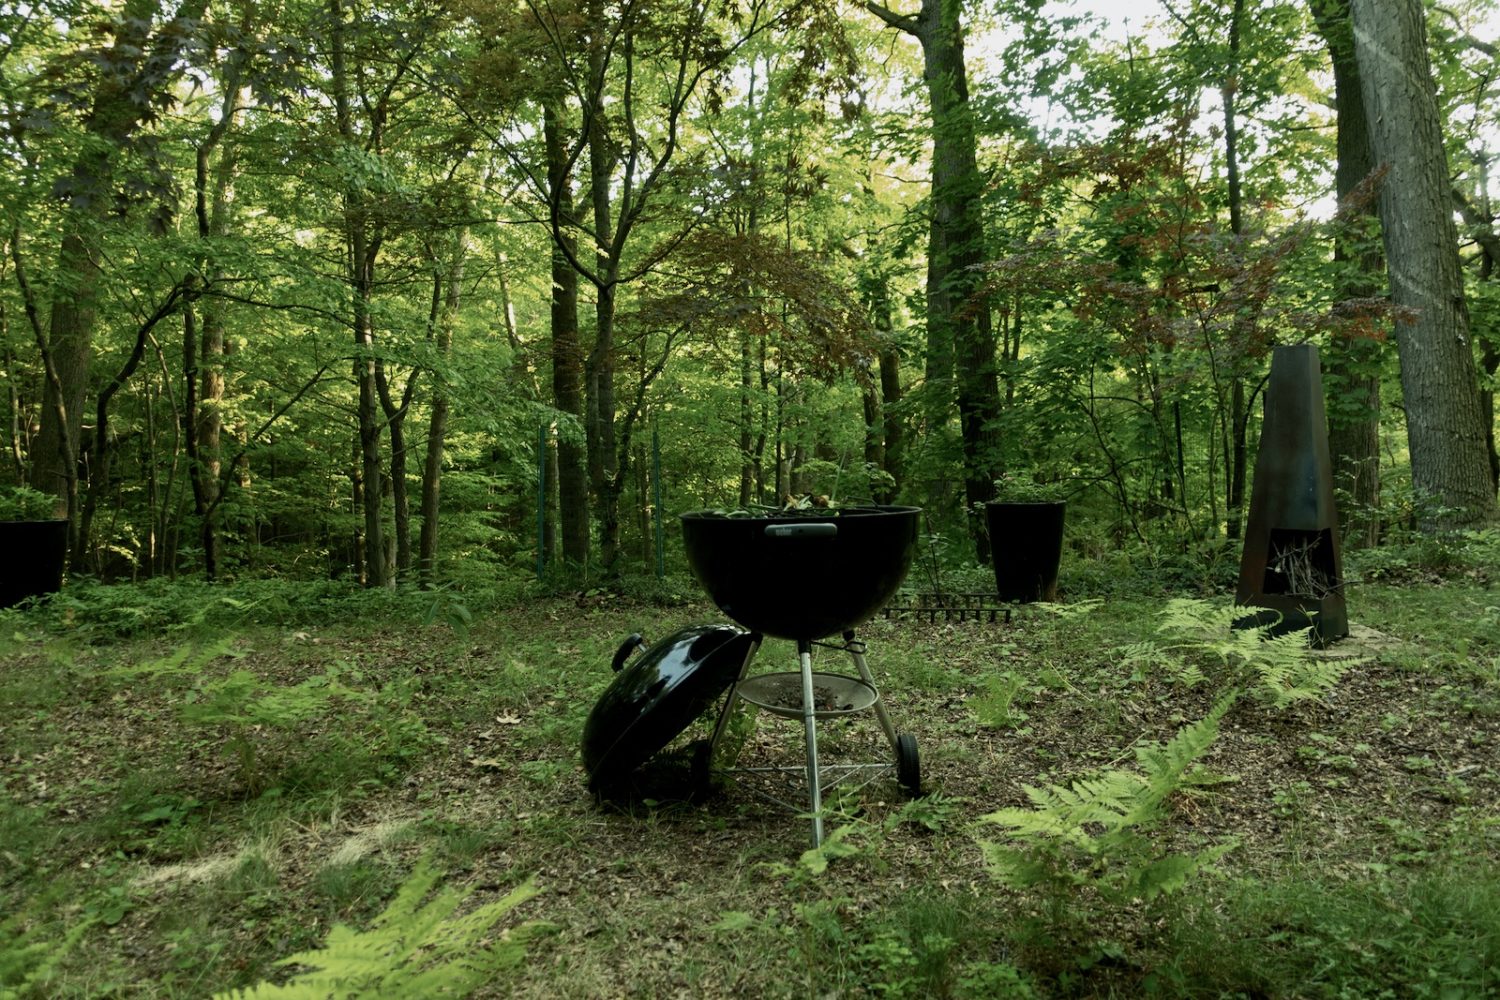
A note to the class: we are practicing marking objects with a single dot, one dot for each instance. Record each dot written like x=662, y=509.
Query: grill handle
x=818, y=529
x=626, y=648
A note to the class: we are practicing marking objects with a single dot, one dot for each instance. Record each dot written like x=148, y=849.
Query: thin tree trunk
x=395, y=421
x=890, y=412
x=203, y=362
x=599, y=368
x=746, y=420
x=170, y=519
x=1239, y=417
x=884, y=431
x=762, y=434
x=14, y=420
x=1481, y=220
x=357, y=499
x=437, y=425
x=103, y=445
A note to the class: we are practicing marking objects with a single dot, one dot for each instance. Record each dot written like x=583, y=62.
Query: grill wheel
x=908, y=765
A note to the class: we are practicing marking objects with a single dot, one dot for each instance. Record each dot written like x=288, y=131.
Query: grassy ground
x=198, y=782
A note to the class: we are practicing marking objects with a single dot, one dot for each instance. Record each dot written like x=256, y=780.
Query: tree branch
x=901, y=22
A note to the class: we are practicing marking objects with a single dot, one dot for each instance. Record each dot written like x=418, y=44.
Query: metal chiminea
x=1291, y=564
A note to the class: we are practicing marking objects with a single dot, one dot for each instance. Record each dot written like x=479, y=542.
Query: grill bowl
x=795, y=576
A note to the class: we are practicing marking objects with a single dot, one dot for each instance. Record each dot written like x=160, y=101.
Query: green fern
x=1277, y=670
x=414, y=949
x=1091, y=833
x=185, y=660
x=1145, y=658
x=30, y=951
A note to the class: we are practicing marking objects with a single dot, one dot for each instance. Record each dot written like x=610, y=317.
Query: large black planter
x=1026, y=548
x=31, y=559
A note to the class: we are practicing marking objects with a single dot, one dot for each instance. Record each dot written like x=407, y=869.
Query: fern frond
x=1170, y=873
x=29, y=952
x=1089, y=832
x=1021, y=869
x=1165, y=764
x=185, y=659
x=1278, y=670
x=415, y=949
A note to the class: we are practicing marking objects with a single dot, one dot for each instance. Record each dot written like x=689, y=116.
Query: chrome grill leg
x=810, y=728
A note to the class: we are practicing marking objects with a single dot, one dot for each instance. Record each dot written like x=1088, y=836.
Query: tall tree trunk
x=762, y=434
x=885, y=443
x=1239, y=417
x=567, y=350
x=357, y=505
x=599, y=367
x=139, y=68
x=362, y=251
x=400, y=560
x=956, y=307
x=1444, y=423
x=874, y=450
x=1352, y=369
x=203, y=356
x=14, y=447
x=890, y=413
x=749, y=472
x=1480, y=220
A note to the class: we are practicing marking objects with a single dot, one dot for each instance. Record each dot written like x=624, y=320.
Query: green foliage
x=934, y=812
x=847, y=840
x=447, y=608
x=1201, y=641
x=30, y=950
x=1473, y=553
x=997, y=706
x=22, y=503
x=1026, y=488
x=242, y=700
x=414, y=949
x=100, y=612
x=187, y=660
x=997, y=981
x=1428, y=933
x=240, y=703
x=1093, y=833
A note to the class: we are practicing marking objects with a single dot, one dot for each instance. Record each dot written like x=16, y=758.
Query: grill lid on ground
x=658, y=695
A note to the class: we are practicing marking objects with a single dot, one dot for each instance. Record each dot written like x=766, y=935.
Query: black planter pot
x=32, y=554
x=1026, y=547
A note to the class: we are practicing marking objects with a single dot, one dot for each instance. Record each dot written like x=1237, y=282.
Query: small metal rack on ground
x=935, y=606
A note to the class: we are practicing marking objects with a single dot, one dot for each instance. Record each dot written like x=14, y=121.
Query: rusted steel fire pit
x=1291, y=565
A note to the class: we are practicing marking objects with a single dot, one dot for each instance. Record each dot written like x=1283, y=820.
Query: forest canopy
x=398, y=291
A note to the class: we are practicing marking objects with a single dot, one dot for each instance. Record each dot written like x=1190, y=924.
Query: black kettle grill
x=800, y=576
